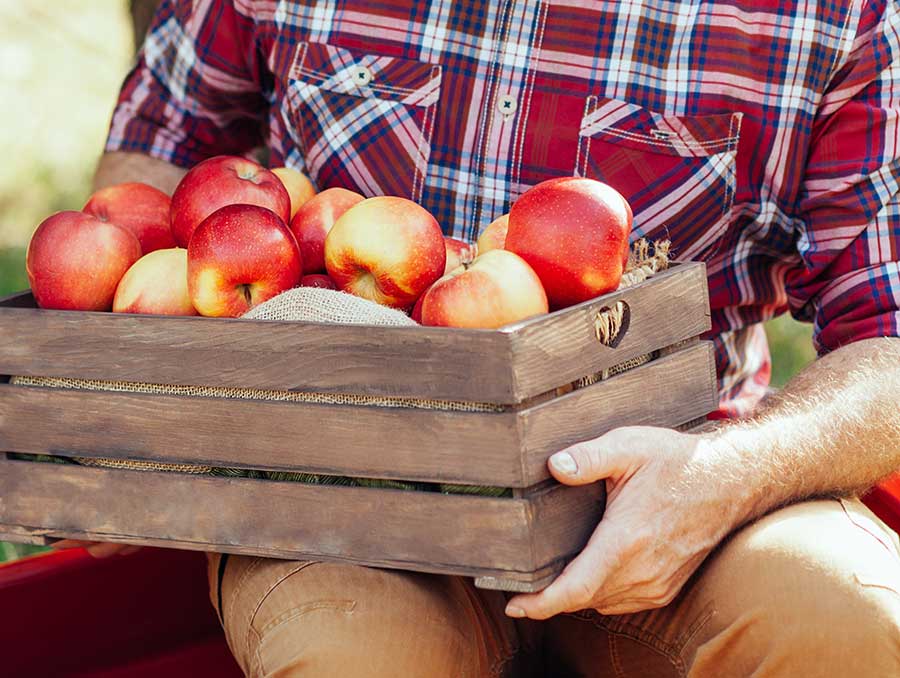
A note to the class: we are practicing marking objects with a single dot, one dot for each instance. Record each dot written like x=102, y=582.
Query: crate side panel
x=361, y=524
x=564, y=519
x=419, y=362
x=371, y=442
x=557, y=349
x=666, y=392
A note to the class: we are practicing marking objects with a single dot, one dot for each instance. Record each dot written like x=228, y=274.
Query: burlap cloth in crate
x=321, y=305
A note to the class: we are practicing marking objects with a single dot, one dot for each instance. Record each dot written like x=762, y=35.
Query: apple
x=496, y=289
x=493, y=237
x=386, y=249
x=238, y=257
x=416, y=313
x=220, y=181
x=458, y=253
x=574, y=233
x=141, y=208
x=314, y=220
x=299, y=187
x=156, y=283
x=75, y=261
x=317, y=280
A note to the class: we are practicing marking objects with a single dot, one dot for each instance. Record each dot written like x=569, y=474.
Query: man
x=761, y=138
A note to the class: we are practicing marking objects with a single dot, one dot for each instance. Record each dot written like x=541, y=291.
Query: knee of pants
x=330, y=619
x=812, y=588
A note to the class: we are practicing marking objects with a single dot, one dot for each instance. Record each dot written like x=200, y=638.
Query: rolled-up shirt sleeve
x=195, y=90
x=848, y=222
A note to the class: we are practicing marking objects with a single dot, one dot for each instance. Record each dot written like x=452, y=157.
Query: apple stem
x=245, y=290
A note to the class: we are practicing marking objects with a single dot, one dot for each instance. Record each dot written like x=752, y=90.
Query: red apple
x=156, y=283
x=299, y=187
x=458, y=253
x=496, y=289
x=574, y=233
x=141, y=208
x=75, y=261
x=388, y=250
x=220, y=181
x=238, y=257
x=493, y=237
x=318, y=280
x=416, y=313
x=314, y=220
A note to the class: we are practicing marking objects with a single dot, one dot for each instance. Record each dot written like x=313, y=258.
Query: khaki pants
x=810, y=590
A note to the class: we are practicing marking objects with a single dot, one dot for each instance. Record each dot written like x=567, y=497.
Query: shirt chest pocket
x=363, y=121
x=677, y=172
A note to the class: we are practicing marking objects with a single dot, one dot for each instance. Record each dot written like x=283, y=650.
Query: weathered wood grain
x=515, y=582
x=505, y=449
x=19, y=535
x=506, y=366
x=421, y=362
x=553, y=530
x=669, y=391
x=369, y=442
x=556, y=349
x=411, y=530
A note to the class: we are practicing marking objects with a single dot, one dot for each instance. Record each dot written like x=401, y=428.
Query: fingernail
x=513, y=611
x=564, y=463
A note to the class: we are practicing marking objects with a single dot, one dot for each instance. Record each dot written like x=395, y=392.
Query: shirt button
x=361, y=75
x=507, y=104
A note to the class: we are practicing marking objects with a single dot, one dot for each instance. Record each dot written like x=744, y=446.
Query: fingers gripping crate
x=535, y=387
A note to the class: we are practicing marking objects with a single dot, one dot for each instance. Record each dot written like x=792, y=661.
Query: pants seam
x=341, y=605
x=671, y=651
x=252, y=617
x=295, y=612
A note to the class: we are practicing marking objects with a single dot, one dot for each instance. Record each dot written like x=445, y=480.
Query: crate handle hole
x=611, y=324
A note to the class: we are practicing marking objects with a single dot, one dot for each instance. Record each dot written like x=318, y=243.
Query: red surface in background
x=884, y=500
x=142, y=615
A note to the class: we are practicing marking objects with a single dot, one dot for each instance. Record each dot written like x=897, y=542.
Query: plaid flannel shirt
x=760, y=137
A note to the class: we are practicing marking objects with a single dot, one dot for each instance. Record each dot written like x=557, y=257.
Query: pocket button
x=507, y=104
x=362, y=76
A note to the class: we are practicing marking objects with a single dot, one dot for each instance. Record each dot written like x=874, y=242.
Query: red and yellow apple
x=220, y=181
x=574, y=233
x=416, y=313
x=238, y=257
x=458, y=253
x=319, y=280
x=140, y=208
x=386, y=249
x=75, y=261
x=156, y=283
x=493, y=237
x=496, y=289
x=299, y=187
x=314, y=220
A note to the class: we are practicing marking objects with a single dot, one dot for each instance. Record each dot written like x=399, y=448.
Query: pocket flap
x=631, y=125
x=341, y=70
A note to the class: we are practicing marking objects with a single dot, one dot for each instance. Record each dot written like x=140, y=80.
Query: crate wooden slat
x=412, y=444
x=524, y=371
x=504, y=367
x=559, y=348
x=450, y=533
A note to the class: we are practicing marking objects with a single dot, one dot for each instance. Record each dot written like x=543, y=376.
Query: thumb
x=591, y=460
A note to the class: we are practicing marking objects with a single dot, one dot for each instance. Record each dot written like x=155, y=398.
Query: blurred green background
x=61, y=65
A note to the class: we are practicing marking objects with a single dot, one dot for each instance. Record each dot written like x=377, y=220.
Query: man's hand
x=670, y=502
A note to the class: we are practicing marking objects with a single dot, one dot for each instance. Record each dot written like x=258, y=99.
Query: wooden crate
x=515, y=542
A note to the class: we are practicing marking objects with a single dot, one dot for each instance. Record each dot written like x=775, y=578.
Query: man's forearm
x=119, y=167
x=834, y=429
